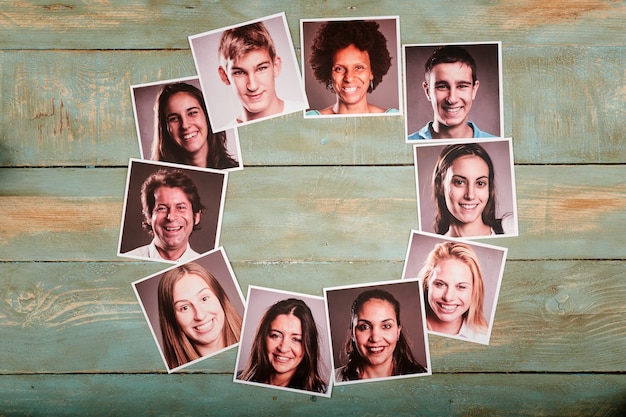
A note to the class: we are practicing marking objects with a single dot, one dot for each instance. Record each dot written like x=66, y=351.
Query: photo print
x=173, y=126
x=248, y=72
x=172, y=213
x=460, y=281
x=194, y=310
x=351, y=66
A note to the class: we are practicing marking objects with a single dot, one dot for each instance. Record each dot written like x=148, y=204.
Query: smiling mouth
x=174, y=229
x=190, y=136
x=350, y=90
x=375, y=349
x=255, y=97
x=448, y=308
x=281, y=359
x=469, y=206
x=205, y=327
x=453, y=110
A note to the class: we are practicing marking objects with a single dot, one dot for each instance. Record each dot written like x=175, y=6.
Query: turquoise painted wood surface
x=318, y=205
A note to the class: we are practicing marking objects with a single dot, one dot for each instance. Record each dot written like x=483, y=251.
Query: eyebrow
x=185, y=300
x=187, y=109
x=478, y=178
x=233, y=68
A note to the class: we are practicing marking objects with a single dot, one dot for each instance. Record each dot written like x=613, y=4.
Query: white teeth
x=173, y=229
x=282, y=358
x=469, y=206
x=204, y=326
x=350, y=89
x=190, y=136
x=448, y=308
x=376, y=349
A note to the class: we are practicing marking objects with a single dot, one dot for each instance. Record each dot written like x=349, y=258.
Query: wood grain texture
x=137, y=24
x=301, y=214
x=563, y=104
x=215, y=395
x=319, y=204
x=83, y=317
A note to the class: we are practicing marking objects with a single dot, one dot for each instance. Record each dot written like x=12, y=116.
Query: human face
x=253, y=78
x=172, y=221
x=284, y=345
x=466, y=188
x=199, y=313
x=186, y=122
x=450, y=90
x=376, y=333
x=450, y=292
x=351, y=74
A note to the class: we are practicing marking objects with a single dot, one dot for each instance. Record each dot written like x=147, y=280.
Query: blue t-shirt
x=424, y=133
x=317, y=112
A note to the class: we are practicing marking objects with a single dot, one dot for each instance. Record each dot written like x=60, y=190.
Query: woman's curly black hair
x=335, y=35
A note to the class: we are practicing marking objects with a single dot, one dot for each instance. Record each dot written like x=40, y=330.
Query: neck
x=171, y=255
x=276, y=106
x=441, y=131
x=478, y=228
x=345, y=108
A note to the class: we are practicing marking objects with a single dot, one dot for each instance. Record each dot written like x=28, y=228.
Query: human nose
x=184, y=122
x=252, y=83
x=452, y=95
x=198, y=313
x=172, y=214
x=469, y=192
x=374, y=335
x=447, y=294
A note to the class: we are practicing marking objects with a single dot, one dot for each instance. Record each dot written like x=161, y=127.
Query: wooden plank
x=216, y=395
x=552, y=316
x=73, y=108
x=295, y=214
x=123, y=25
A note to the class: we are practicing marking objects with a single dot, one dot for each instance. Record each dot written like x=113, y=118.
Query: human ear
x=223, y=75
x=426, y=90
x=196, y=218
x=278, y=65
x=475, y=90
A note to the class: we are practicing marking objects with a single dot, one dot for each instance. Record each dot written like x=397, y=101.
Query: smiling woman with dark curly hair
x=350, y=58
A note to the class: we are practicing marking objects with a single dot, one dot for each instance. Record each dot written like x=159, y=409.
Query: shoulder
x=339, y=374
x=423, y=133
x=143, y=251
x=313, y=113
x=479, y=133
x=507, y=223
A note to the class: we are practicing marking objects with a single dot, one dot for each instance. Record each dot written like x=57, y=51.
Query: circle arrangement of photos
x=189, y=143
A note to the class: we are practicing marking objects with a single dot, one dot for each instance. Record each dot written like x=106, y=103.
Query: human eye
x=438, y=284
x=386, y=326
x=296, y=339
x=161, y=209
x=238, y=72
x=441, y=87
x=458, y=182
x=482, y=183
x=183, y=307
x=182, y=207
x=172, y=119
x=262, y=68
x=337, y=69
x=363, y=326
x=274, y=335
